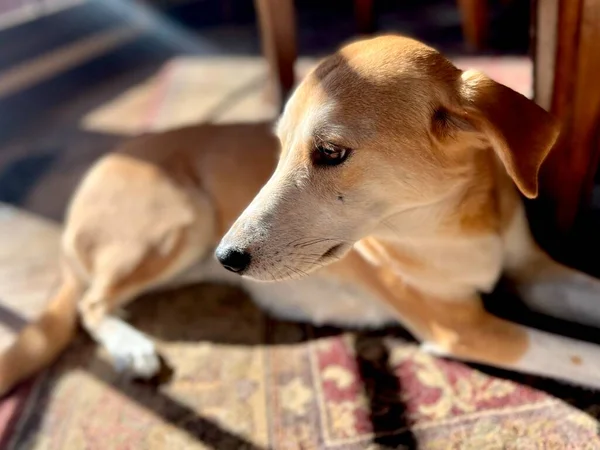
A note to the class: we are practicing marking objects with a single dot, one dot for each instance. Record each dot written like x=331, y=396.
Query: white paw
x=433, y=349
x=132, y=351
x=138, y=359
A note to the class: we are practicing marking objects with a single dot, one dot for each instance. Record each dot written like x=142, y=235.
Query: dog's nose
x=233, y=259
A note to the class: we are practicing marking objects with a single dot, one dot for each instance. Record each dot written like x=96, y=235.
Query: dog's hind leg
x=123, y=272
x=545, y=285
x=561, y=292
x=131, y=350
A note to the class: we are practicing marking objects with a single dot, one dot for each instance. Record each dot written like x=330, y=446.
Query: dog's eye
x=329, y=155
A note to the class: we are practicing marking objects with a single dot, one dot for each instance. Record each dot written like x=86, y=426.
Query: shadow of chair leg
x=383, y=391
x=11, y=319
x=178, y=414
x=150, y=397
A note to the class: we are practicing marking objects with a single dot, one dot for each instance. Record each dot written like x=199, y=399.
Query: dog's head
x=384, y=126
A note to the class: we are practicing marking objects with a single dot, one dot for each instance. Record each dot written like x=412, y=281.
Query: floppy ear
x=520, y=132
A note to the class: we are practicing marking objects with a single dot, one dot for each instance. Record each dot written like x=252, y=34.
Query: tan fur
x=422, y=217
x=460, y=326
x=39, y=343
x=141, y=216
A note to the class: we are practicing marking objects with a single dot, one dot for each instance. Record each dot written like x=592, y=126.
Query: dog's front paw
x=133, y=353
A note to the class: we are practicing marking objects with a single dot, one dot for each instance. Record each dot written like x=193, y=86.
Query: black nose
x=233, y=259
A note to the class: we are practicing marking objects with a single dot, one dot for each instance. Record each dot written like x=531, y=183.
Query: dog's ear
x=520, y=132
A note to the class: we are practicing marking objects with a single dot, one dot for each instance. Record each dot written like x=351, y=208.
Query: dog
x=392, y=194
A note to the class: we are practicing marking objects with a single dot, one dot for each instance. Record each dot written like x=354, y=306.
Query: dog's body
x=418, y=221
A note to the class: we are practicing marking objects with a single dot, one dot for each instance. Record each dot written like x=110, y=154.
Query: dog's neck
x=475, y=205
x=418, y=222
x=452, y=242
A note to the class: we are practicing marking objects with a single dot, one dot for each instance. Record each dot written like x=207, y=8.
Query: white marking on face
x=296, y=223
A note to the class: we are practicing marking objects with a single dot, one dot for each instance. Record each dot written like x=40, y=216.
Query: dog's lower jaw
x=321, y=300
x=332, y=252
x=287, y=272
x=265, y=277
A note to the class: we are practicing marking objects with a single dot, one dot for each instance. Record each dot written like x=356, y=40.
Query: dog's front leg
x=461, y=328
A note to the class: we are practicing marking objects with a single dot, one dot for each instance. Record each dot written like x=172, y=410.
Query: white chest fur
x=321, y=301
x=317, y=299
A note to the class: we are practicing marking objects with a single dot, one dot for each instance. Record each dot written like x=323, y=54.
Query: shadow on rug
x=245, y=381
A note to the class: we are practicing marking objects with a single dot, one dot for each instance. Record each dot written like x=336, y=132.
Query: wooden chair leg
x=278, y=34
x=365, y=21
x=567, y=63
x=474, y=21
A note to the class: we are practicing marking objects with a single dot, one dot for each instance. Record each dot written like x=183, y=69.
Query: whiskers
x=300, y=259
x=311, y=241
x=296, y=271
x=298, y=266
x=386, y=223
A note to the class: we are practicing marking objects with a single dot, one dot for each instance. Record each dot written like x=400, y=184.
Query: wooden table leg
x=474, y=16
x=566, y=79
x=278, y=34
x=365, y=19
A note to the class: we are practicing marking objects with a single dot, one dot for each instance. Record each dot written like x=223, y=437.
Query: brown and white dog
x=394, y=198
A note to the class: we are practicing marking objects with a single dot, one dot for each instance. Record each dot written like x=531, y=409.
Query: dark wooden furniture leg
x=365, y=19
x=278, y=35
x=567, y=83
x=474, y=21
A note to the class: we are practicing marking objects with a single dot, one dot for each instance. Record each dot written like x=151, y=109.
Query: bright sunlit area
x=325, y=252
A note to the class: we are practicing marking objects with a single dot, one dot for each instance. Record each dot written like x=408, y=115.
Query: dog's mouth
x=333, y=252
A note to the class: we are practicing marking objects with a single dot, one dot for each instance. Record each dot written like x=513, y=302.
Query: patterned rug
x=243, y=380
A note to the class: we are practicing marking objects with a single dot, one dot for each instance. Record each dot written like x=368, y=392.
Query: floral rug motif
x=245, y=381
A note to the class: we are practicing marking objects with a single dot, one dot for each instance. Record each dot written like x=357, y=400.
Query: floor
x=247, y=382
x=243, y=380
